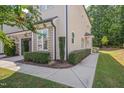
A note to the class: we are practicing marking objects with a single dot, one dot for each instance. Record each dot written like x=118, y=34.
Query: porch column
x=20, y=46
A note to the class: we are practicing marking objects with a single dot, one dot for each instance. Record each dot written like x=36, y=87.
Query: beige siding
x=79, y=24
x=60, y=22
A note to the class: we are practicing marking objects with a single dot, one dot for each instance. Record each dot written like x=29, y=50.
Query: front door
x=25, y=45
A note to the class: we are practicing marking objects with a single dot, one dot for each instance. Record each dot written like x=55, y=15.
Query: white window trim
x=42, y=41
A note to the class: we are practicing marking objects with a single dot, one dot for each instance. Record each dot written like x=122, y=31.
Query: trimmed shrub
x=62, y=47
x=76, y=56
x=38, y=57
x=10, y=50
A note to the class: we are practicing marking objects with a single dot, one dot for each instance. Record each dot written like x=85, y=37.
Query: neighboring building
x=70, y=22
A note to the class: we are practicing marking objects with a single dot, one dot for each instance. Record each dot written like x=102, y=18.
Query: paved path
x=78, y=76
x=2, y=56
x=13, y=59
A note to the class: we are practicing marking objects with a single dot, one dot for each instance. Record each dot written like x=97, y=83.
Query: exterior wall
x=78, y=23
x=60, y=23
x=50, y=41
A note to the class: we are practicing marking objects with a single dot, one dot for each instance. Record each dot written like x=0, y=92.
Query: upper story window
x=44, y=7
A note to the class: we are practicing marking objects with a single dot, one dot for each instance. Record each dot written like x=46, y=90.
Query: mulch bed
x=53, y=64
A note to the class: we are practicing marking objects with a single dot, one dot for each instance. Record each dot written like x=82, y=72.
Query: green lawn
x=109, y=72
x=11, y=79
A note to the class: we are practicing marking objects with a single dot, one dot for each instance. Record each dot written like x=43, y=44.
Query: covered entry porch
x=22, y=40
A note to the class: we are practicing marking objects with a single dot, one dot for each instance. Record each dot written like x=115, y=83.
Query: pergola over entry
x=17, y=37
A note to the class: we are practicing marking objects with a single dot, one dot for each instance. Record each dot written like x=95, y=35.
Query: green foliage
x=5, y=39
x=9, y=46
x=14, y=15
x=107, y=21
x=76, y=56
x=62, y=47
x=38, y=57
x=105, y=40
x=10, y=51
x=109, y=72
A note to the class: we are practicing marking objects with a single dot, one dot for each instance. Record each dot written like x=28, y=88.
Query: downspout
x=66, y=32
x=54, y=39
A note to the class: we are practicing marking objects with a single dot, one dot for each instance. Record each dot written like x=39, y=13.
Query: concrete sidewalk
x=2, y=56
x=79, y=76
x=13, y=59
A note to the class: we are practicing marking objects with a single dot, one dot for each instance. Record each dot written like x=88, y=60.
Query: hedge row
x=38, y=57
x=76, y=56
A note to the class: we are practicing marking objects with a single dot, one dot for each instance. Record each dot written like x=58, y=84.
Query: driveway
x=79, y=76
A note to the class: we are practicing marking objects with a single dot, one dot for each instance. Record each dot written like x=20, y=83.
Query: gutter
x=54, y=38
x=66, y=32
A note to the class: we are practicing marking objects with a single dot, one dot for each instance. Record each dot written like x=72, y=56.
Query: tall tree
x=121, y=33
x=107, y=21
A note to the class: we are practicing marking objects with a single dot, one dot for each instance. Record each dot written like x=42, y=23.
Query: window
x=43, y=40
x=45, y=35
x=73, y=37
x=45, y=7
x=82, y=43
